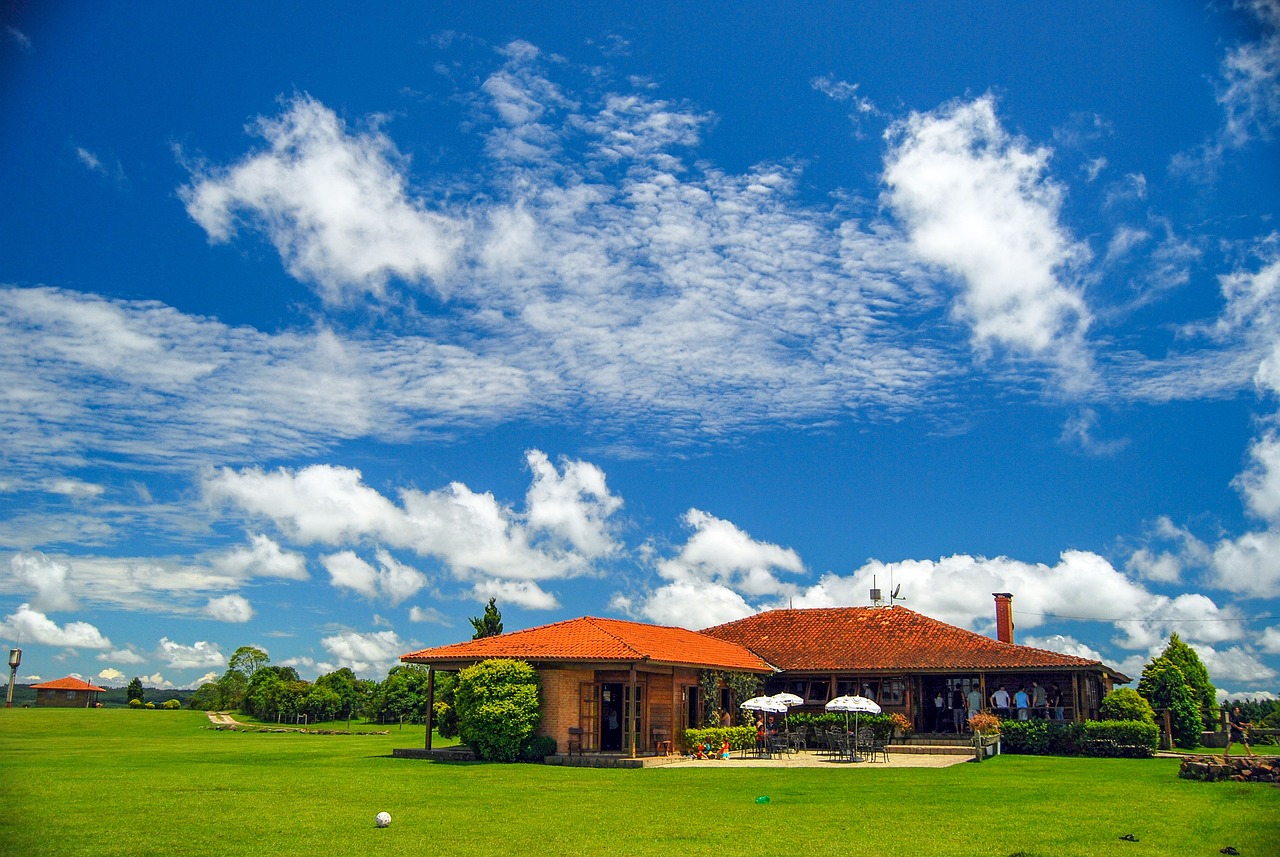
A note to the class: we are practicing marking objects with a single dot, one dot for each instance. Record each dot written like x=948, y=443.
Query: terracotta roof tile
x=871, y=638
x=593, y=639
x=67, y=683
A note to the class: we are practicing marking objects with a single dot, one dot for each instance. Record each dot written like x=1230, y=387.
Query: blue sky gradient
x=321, y=329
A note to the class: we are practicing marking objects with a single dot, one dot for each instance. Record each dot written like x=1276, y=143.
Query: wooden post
x=1075, y=697
x=431, y=701
x=634, y=710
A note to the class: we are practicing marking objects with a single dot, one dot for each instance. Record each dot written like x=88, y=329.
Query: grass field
x=159, y=783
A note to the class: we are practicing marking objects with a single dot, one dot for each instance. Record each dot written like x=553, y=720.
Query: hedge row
x=1129, y=739
x=739, y=737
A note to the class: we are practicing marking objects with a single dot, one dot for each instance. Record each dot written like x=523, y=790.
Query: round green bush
x=497, y=705
x=1125, y=703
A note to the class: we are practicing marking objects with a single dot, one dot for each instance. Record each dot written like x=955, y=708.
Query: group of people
x=705, y=751
x=954, y=708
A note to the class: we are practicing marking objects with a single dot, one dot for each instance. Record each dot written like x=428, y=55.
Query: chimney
x=1004, y=616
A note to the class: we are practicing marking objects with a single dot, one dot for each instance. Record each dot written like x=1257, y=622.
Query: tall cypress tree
x=1197, y=678
x=488, y=625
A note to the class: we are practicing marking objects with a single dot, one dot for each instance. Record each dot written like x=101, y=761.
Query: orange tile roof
x=593, y=639
x=68, y=683
x=877, y=639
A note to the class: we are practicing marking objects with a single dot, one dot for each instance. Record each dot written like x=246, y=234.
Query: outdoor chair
x=863, y=741
x=575, y=740
x=662, y=742
x=877, y=746
x=798, y=739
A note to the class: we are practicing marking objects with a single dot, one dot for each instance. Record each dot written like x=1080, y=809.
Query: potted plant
x=986, y=734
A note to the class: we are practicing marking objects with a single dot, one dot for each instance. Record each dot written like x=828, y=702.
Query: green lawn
x=118, y=782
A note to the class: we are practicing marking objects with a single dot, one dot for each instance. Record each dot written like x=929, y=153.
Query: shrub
x=150, y=705
x=538, y=748
x=1029, y=737
x=1125, y=703
x=172, y=705
x=497, y=704
x=135, y=703
x=1130, y=739
x=739, y=737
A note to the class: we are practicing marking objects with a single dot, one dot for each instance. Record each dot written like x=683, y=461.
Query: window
x=895, y=692
x=817, y=691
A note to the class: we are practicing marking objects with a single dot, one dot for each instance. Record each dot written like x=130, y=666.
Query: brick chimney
x=1004, y=616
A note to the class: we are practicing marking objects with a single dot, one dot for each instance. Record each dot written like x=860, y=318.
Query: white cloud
x=74, y=488
x=348, y=571
x=111, y=674
x=122, y=656
x=1269, y=642
x=430, y=615
x=473, y=534
x=525, y=593
x=1249, y=564
x=712, y=576
x=263, y=558
x=978, y=204
x=392, y=581
x=368, y=655
x=32, y=626
x=35, y=571
x=229, y=608
x=1233, y=666
x=719, y=552
x=201, y=655
x=1250, y=87
x=575, y=506
x=1082, y=586
x=692, y=603
x=333, y=203
x=1063, y=644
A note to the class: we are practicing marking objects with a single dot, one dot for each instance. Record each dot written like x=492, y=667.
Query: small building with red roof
x=69, y=692
x=591, y=669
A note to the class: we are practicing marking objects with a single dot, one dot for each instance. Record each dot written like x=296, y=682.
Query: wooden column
x=635, y=709
x=431, y=701
x=1075, y=697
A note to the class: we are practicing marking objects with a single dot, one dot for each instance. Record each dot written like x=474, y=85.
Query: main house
x=610, y=685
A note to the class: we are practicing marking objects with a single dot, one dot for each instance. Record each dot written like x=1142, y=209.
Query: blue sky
x=321, y=329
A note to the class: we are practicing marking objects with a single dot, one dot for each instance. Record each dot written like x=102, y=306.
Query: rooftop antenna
x=876, y=599
x=896, y=596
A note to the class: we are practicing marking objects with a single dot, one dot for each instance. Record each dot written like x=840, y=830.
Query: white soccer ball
x=383, y=819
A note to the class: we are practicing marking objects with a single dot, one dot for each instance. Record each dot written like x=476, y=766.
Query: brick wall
x=560, y=703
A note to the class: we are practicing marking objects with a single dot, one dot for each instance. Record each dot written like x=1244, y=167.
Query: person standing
x=975, y=701
x=1022, y=702
x=1055, y=701
x=939, y=709
x=1000, y=702
x=957, y=710
x=1239, y=731
x=1038, y=703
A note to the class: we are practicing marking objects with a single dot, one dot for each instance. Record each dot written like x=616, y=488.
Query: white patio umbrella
x=764, y=703
x=856, y=704
x=788, y=700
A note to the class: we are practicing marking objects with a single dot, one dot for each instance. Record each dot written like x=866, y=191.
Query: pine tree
x=488, y=625
x=134, y=691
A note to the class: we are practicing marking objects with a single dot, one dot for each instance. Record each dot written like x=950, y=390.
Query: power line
x=1145, y=618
